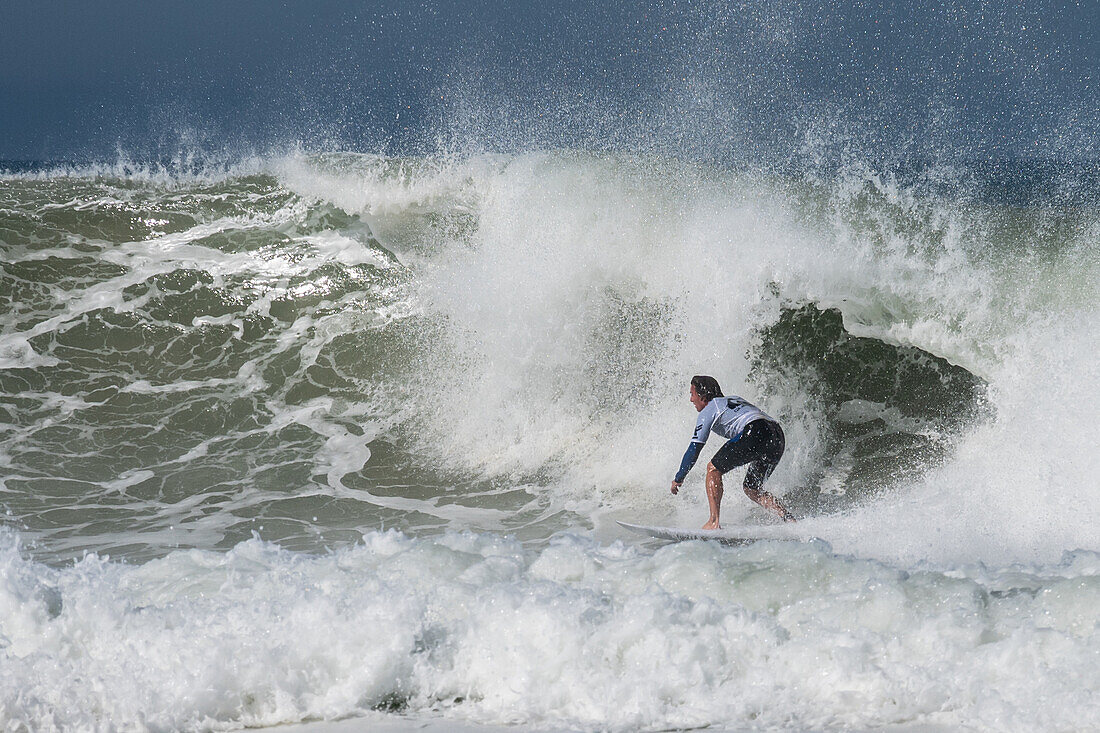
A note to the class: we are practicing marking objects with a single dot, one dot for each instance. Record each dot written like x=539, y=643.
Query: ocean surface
x=317, y=435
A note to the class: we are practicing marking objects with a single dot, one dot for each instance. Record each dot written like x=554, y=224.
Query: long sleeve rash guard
x=726, y=416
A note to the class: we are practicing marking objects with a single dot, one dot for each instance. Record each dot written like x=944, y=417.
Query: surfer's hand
x=675, y=487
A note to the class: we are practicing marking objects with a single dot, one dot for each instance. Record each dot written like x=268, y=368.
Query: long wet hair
x=706, y=387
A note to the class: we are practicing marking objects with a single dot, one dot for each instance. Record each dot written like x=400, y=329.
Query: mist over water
x=341, y=426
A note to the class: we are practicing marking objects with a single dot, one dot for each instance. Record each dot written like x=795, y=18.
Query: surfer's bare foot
x=769, y=502
x=779, y=509
x=712, y=524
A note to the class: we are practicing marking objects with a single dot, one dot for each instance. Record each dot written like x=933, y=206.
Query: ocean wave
x=501, y=343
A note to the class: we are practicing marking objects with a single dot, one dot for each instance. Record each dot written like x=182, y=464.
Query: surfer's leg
x=749, y=447
x=714, y=496
x=760, y=469
x=769, y=502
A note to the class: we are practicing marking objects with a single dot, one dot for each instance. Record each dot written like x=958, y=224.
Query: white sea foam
x=16, y=352
x=774, y=636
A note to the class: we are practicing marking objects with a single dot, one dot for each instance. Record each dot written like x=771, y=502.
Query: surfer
x=751, y=437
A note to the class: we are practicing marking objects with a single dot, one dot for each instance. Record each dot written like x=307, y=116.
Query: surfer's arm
x=691, y=455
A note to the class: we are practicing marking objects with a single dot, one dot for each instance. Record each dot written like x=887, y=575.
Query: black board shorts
x=761, y=446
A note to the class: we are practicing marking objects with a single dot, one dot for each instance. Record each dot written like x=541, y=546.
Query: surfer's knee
x=714, y=477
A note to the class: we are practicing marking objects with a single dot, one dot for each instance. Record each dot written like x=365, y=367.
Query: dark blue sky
x=82, y=80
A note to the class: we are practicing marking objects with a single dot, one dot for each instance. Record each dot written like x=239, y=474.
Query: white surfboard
x=727, y=535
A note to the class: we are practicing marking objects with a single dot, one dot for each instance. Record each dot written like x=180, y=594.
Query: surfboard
x=727, y=535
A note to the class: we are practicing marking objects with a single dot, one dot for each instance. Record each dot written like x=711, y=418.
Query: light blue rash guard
x=727, y=416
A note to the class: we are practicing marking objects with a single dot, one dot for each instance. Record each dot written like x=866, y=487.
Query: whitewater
x=323, y=436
